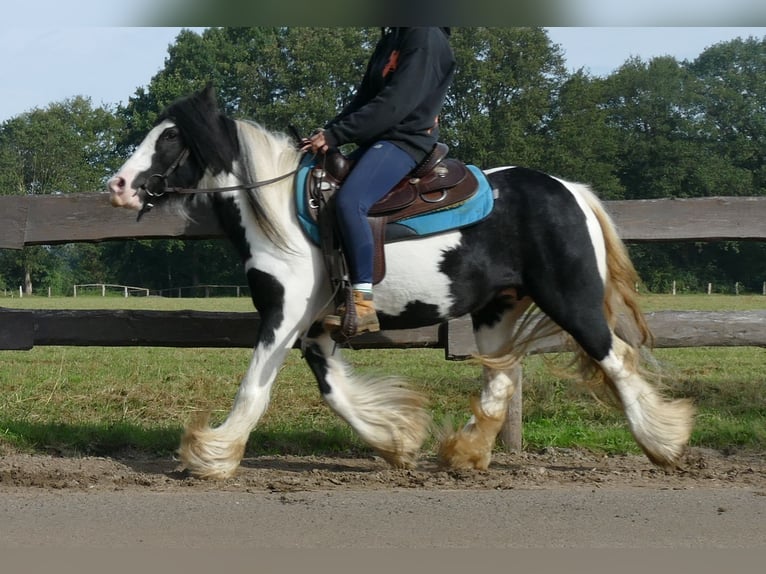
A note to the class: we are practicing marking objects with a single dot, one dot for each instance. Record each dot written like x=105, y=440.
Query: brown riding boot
x=366, y=316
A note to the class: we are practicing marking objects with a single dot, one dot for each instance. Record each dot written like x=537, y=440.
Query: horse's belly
x=413, y=278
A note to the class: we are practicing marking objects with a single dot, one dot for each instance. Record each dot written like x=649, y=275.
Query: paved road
x=578, y=518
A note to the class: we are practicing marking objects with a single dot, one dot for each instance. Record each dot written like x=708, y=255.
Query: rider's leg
x=376, y=172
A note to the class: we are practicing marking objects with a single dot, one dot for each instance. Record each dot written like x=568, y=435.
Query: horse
x=548, y=246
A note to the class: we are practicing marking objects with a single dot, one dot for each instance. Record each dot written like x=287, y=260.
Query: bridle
x=177, y=163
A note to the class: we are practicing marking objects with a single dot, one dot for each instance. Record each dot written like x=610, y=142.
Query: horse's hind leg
x=471, y=446
x=387, y=415
x=661, y=427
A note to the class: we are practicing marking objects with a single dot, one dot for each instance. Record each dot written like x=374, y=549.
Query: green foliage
x=733, y=75
x=66, y=147
x=657, y=128
x=163, y=264
x=506, y=83
x=584, y=146
x=275, y=76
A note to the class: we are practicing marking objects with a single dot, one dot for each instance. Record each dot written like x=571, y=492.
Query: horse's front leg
x=216, y=453
x=387, y=414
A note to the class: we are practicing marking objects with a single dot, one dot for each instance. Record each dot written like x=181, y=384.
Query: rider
x=393, y=119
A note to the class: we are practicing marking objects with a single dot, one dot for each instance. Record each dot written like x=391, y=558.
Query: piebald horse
x=547, y=245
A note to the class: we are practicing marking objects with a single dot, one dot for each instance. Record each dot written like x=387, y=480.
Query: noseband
x=177, y=163
x=163, y=177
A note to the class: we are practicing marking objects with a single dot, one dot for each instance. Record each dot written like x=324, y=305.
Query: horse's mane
x=241, y=147
x=266, y=155
x=210, y=136
x=268, y=152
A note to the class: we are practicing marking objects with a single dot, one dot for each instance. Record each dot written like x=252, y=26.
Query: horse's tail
x=620, y=299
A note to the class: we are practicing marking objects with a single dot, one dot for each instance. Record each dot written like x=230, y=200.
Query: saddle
x=437, y=183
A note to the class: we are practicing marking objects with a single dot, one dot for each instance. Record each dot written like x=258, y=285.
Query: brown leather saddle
x=436, y=183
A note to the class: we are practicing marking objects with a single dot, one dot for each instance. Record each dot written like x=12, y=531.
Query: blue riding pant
x=379, y=168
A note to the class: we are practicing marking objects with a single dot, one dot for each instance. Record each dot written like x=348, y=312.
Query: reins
x=245, y=186
x=179, y=161
x=192, y=190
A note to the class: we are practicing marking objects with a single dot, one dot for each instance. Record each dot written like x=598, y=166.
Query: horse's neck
x=267, y=212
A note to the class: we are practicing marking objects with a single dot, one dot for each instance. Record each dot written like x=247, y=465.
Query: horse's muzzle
x=120, y=195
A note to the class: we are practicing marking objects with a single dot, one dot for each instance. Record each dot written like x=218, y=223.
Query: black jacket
x=401, y=94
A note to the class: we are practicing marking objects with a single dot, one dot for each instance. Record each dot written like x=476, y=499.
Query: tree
x=659, y=128
x=666, y=148
x=583, y=146
x=275, y=76
x=651, y=107
x=690, y=130
x=303, y=76
x=164, y=264
x=19, y=267
x=506, y=82
x=67, y=147
x=733, y=76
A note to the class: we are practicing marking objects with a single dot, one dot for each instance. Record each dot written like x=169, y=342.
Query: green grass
x=648, y=303
x=725, y=383
x=235, y=304
x=93, y=400
x=699, y=302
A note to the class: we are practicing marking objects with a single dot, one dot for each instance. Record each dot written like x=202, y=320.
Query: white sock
x=366, y=287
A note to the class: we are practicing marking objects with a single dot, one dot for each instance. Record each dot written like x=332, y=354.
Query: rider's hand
x=315, y=143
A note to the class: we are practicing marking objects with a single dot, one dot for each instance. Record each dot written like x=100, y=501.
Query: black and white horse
x=547, y=244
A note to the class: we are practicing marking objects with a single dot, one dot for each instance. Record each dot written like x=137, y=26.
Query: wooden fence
x=35, y=220
x=102, y=287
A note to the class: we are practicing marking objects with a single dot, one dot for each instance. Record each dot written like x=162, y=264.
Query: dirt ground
x=549, y=469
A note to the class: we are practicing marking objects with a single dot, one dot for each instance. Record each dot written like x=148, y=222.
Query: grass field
x=95, y=400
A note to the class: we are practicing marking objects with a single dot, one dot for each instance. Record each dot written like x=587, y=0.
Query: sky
x=44, y=64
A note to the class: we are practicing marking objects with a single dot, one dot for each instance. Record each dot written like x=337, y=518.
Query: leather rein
x=178, y=162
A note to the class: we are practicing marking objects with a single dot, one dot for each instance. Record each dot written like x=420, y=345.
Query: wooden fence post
x=511, y=435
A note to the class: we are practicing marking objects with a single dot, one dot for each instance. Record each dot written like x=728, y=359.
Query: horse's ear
x=208, y=96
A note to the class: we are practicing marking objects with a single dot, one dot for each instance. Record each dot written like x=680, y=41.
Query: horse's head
x=189, y=140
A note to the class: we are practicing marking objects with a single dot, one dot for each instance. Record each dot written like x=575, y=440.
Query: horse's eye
x=170, y=134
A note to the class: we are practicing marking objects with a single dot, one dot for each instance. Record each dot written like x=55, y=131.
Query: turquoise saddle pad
x=469, y=212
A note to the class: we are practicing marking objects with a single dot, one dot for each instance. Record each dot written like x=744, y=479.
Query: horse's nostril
x=116, y=184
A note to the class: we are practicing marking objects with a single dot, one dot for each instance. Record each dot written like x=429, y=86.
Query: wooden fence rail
x=88, y=217
x=25, y=329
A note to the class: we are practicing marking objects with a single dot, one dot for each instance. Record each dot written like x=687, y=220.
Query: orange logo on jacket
x=393, y=62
